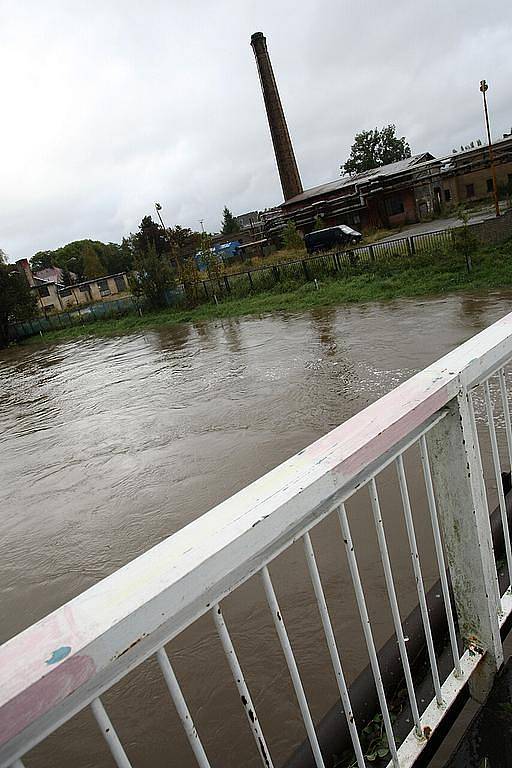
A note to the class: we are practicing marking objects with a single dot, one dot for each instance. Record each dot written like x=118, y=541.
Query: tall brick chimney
x=24, y=269
x=286, y=164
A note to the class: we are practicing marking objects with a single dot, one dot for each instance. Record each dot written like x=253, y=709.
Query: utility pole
x=158, y=208
x=483, y=88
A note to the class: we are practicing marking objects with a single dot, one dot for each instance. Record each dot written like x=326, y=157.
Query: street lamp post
x=158, y=208
x=483, y=88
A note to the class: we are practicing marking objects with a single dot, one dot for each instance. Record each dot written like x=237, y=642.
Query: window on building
x=447, y=195
x=66, y=292
x=395, y=205
x=489, y=185
x=43, y=290
x=85, y=289
x=120, y=284
x=470, y=190
x=103, y=287
x=49, y=306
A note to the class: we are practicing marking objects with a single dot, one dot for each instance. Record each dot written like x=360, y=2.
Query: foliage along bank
x=428, y=274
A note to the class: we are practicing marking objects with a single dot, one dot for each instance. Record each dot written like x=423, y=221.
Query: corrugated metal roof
x=347, y=181
x=450, y=162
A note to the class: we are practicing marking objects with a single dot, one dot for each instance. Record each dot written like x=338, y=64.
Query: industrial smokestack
x=286, y=164
x=24, y=269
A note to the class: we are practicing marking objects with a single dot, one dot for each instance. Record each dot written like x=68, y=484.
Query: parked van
x=324, y=239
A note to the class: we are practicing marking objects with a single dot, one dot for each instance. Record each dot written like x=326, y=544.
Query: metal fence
x=238, y=284
x=454, y=417
x=243, y=282
x=75, y=316
x=82, y=315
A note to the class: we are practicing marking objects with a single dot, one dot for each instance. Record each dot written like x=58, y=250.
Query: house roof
x=50, y=274
x=391, y=169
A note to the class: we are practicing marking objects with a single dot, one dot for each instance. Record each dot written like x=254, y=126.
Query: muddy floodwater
x=107, y=446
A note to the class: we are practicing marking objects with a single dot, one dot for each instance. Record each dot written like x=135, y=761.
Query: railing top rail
x=58, y=665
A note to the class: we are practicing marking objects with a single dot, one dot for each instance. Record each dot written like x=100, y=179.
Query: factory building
x=405, y=192
x=393, y=195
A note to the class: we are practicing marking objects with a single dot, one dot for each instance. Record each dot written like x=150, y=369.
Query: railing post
x=464, y=519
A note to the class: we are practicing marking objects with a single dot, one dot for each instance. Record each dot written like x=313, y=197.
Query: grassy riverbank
x=431, y=274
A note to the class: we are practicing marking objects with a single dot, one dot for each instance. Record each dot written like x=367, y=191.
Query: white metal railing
x=66, y=661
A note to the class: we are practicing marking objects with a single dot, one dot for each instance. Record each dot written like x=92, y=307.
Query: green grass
x=429, y=274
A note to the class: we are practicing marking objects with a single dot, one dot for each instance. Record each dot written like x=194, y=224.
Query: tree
x=151, y=236
x=319, y=223
x=185, y=241
x=230, y=225
x=116, y=258
x=42, y=260
x=292, y=240
x=210, y=259
x=17, y=301
x=464, y=240
x=92, y=266
x=152, y=277
x=190, y=276
x=112, y=257
x=127, y=255
x=372, y=149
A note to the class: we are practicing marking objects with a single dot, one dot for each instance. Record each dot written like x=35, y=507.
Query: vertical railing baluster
x=386, y=563
x=463, y=512
x=482, y=487
x=333, y=650
x=109, y=734
x=292, y=666
x=243, y=690
x=506, y=414
x=367, y=631
x=497, y=473
x=415, y=557
x=476, y=438
x=182, y=709
x=439, y=554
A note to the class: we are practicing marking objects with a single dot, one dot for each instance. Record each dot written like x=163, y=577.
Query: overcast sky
x=109, y=105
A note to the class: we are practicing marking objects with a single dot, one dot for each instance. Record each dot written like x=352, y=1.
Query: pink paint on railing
x=106, y=628
x=40, y=697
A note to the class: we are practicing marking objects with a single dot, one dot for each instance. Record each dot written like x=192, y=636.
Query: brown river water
x=107, y=446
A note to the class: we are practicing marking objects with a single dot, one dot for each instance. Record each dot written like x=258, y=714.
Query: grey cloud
x=109, y=106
